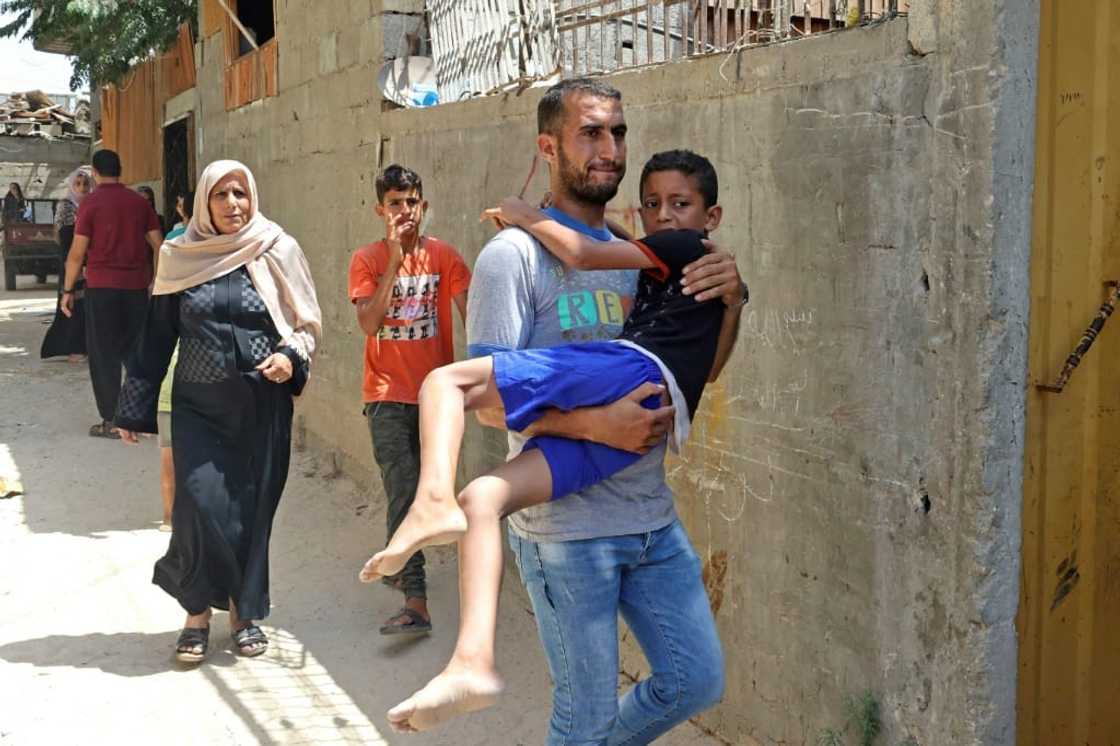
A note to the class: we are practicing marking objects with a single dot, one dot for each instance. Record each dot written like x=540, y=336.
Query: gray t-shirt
x=522, y=297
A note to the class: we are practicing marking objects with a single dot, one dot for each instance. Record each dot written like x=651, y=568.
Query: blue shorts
x=567, y=377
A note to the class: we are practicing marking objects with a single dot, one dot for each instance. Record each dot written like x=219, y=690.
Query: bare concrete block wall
x=853, y=483
x=40, y=165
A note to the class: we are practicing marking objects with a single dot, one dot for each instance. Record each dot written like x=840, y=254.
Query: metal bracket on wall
x=1087, y=340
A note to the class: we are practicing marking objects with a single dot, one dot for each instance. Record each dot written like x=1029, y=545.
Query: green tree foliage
x=106, y=37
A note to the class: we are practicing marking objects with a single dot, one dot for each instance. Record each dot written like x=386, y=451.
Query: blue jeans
x=578, y=589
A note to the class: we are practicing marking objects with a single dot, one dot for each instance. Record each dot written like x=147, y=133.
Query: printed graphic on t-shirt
x=586, y=308
x=412, y=314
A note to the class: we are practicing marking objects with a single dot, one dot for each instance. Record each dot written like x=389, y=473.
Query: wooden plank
x=213, y=17
x=177, y=66
x=270, y=67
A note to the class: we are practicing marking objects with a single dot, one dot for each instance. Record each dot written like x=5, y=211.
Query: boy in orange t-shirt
x=402, y=288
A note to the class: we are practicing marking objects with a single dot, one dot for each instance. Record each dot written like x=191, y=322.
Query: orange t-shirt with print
x=416, y=334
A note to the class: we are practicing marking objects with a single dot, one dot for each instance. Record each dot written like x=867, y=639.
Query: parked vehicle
x=30, y=248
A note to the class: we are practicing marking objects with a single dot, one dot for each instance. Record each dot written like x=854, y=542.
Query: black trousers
x=114, y=318
x=395, y=430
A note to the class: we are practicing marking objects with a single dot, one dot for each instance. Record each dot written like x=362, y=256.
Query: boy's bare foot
x=428, y=523
x=454, y=692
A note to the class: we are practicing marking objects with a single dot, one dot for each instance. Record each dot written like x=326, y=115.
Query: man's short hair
x=689, y=164
x=399, y=179
x=550, y=109
x=107, y=163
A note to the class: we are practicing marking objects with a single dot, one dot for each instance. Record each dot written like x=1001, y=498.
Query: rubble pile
x=34, y=114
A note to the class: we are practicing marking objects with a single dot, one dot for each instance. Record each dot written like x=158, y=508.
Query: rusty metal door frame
x=1070, y=589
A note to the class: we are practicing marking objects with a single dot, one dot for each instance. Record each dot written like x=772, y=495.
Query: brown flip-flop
x=416, y=623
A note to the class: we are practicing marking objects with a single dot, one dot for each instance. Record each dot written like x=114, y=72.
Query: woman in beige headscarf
x=236, y=293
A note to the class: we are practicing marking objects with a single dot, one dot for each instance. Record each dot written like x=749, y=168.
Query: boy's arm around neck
x=571, y=247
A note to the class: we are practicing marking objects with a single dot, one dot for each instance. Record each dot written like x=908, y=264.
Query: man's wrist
x=583, y=426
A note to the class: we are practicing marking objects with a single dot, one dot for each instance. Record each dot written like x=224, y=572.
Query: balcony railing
x=484, y=46
x=597, y=36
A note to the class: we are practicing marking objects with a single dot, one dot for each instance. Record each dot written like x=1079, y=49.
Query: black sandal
x=250, y=640
x=104, y=430
x=191, y=645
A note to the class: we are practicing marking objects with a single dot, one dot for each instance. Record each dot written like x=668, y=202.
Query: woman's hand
x=128, y=436
x=276, y=368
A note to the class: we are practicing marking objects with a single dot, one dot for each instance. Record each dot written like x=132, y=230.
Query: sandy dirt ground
x=86, y=639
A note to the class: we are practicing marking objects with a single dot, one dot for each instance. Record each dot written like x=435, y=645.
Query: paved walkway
x=85, y=638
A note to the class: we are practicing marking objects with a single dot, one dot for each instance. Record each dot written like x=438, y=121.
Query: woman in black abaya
x=236, y=293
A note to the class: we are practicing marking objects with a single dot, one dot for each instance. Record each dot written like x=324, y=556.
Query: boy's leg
x=664, y=603
x=470, y=681
x=434, y=516
x=394, y=433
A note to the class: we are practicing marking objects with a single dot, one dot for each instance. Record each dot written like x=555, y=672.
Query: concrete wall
x=40, y=165
x=853, y=483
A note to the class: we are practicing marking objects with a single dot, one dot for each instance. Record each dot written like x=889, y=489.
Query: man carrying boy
x=402, y=288
x=618, y=546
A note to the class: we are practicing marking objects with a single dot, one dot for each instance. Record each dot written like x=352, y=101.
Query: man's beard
x=579, y=185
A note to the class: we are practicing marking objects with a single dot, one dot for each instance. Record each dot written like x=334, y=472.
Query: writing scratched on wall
x=781, y=329
x=780, y=397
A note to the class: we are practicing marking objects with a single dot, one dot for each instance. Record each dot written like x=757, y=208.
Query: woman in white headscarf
x=236, y=293
x=67, y=334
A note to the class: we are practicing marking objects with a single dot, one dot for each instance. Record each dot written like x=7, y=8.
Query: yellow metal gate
x=1069, y=616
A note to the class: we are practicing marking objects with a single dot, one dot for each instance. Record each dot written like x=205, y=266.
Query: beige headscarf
x=274, y=260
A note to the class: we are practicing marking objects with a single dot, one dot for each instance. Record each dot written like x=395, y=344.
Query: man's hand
x=714, y=275
x=624, y=424
x=627, y=425
x=66, y=304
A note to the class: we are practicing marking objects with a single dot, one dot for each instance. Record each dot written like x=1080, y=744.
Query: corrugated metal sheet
x=1070, y=603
